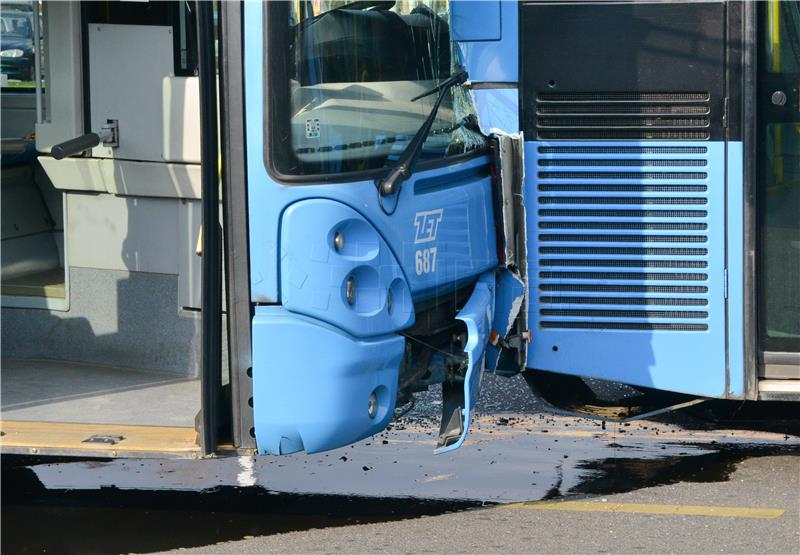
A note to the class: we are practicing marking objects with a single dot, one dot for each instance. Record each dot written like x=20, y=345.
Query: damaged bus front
x=373, y=238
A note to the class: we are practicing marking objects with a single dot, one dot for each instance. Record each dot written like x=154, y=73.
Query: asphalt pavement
x=524, y=481
x=756, y=510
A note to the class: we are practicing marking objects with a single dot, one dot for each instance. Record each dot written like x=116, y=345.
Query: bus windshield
x=341, y=98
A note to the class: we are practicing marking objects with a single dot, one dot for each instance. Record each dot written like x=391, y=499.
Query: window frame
x=274, y=28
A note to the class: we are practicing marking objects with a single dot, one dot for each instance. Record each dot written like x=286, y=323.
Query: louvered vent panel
x=623, y=116
x=622, y=250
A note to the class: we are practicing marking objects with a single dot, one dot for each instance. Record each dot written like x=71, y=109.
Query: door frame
x=235, y=230
x=750, y=213
x=769, y=364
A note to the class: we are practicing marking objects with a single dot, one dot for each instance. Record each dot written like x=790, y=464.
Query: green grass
x=20, y=85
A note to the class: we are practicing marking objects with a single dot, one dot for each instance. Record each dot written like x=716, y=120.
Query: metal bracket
x=109, y=133
x=107, y=440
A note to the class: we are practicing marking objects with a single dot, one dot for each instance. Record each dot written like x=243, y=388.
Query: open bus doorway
x=114, y=362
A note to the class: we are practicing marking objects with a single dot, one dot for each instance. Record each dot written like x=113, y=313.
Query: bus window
x=347, y=93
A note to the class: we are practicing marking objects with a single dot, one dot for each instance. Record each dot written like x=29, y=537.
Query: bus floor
x=56, y=391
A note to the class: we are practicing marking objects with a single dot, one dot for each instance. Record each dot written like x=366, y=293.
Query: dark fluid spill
x=780, y=417
x=620, y=475
x=111, y=520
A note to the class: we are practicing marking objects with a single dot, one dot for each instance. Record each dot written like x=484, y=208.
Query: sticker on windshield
x=312, y=128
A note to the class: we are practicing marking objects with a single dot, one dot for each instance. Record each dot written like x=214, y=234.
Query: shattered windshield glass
x=351, y=72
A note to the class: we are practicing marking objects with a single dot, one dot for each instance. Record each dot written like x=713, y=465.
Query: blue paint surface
x=736, y=370
x=318, y=401
x=475, y=20
x=497, y=60
x=477, y=314
x=685, y=361
x=315, y=273
x=497, y=109
x=509, y=295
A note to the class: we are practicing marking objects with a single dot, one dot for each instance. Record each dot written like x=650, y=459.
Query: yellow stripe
x=64, y=437
x=646, y=508
x=774, y=26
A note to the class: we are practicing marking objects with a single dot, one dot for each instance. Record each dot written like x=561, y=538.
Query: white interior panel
x=75, y=174
x=152, y=179
x=189, y=264
x=124, y=177
x=127, y=65
x=63, y=76
x=181, y=108
x=123, y=233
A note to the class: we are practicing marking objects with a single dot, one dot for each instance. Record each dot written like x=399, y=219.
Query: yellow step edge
x=64, y=438
x=647, y=508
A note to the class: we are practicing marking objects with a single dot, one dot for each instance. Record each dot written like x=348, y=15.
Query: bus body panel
x=488, y=61
x=737, y=369
x=628, y=286
x=498, y=109
x=328, y=318
x=342, y=389
x=335, y=267
x=634, y=189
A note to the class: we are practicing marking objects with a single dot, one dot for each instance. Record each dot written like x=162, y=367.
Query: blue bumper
x=315, y=387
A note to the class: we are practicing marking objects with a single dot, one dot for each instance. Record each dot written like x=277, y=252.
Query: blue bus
x=269, y=227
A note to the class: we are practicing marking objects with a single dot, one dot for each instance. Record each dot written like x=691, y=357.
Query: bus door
x=623, y=107
x=778, y=189
x=372, y=241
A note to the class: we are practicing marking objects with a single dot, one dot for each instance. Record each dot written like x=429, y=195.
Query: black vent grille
x=609, y=239
x=593, y=288
x=623, y=162
x=593, y=97
x=622, y=149
x=623, y=116
x=625, y=326
x=640, y=251
x=623, y=175
x=625, y=213
x=625, y=109
x=657, y=301
x=619, y=188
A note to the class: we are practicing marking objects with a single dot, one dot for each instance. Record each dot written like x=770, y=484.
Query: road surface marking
x=439, y=477
x=646, y=508
x=247, y=475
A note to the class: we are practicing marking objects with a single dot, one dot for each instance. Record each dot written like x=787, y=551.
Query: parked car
x=16, y=45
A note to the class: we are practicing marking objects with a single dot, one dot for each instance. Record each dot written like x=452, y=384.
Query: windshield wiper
x=404, y=167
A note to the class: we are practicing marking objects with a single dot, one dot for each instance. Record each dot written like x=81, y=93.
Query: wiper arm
x=404, y=167
x=457, y=78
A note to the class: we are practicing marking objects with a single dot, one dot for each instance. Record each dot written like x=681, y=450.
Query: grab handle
x=75, y=146
x=108, y=135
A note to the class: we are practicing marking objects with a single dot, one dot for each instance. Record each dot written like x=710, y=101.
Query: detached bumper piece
x=459, y=399
x=315, y=387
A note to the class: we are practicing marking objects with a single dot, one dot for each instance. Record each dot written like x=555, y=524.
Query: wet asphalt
x=389, y=493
